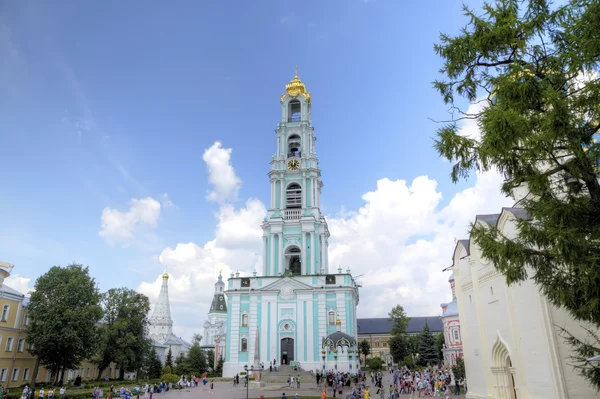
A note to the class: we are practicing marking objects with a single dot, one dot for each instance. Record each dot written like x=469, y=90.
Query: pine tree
x=537, y=64
x=169, y=359
x=427, y=347
x=153, y=366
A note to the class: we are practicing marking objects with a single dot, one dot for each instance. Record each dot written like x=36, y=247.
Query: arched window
x=331, y=318
x=244, y=320
x=294, y=111
x=293, y=196
x=244, y=345
x=294, y=149
x=456, y=336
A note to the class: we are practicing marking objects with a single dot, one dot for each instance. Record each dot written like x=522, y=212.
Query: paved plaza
x=225, y=390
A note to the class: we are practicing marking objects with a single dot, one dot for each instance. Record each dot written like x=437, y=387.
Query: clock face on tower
x=293, y=164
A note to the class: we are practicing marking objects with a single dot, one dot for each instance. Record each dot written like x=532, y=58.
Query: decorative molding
x=467, y=287
x=485, y=277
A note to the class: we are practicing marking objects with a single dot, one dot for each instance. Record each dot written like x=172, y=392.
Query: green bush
x=375, y=363
x=170, y=378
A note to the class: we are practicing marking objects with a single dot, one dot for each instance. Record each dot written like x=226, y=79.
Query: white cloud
x=120, y=227
x=221, y=174
x=19, y=283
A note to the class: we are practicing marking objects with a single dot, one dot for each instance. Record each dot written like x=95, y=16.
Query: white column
x=326, y=254
x=313, y=186
x=272, y=194
x=265, y=272
x=282, y=194
x=321, y=258
x=281, y=267
x=303, y=244
x=272, y=262
x=312, y=251
x=303, y=190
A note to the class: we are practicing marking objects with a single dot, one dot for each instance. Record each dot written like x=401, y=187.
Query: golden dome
x=296, y=88
x=165, y=275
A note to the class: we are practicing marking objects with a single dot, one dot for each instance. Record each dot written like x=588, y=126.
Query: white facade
x=510, y=342
x=215, y=325
x=160, y=326
x=452, y=336
x=296, y=312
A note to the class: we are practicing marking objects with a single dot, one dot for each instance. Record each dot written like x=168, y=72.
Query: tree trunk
x=36, y=368
x=100, y=371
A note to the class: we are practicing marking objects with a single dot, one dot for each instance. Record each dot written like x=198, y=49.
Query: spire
x=161, y=322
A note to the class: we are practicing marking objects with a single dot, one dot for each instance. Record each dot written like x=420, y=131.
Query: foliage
x=64, y=311
x=427, y=347
x=583, y=350
x=409, y=362
x=170, y=378
x=398, y=347
x=219, y=368
x=375, y=363
x=181, y=365
x=123, y=331
x=210, y=359
x=539, y=62
x=364, y=348
x=414, y=341
x=439, y=345
x=196, y=358
x=400, y=320
x=167, y=370
x=459, y=369
x=169, y=359
x=77, y=381
x=153, y=366
x=196, y=338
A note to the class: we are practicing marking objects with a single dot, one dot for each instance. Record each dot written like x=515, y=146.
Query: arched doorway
x=287, y=350
x=294, y=260
x=503, y=371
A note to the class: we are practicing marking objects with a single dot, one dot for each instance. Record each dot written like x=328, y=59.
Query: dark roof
x=218, y=304
x=519, y=213
x=383, y=325
x=488, y=219
x=339, y=338
x=467, y=245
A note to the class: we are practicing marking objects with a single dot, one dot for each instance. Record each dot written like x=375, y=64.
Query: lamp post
x=248, y=378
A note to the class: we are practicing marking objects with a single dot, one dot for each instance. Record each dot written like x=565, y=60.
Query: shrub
x=170, y=378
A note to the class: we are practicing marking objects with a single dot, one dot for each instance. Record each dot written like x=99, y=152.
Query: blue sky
x=104, y=102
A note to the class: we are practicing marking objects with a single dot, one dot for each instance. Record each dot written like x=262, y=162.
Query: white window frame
x=21, y=345
x=5, y=313
x=242, y=345
x=245, y=320
x=26, y=374
x=456, y=335
x=26, y=320
x=331, y=320
x=88, y=372
x=15, y=374
x=9, y=344
x=3, y=373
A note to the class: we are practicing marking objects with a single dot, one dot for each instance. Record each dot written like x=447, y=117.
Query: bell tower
x=295, y=234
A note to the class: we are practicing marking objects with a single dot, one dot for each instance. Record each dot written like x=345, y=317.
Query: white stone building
x=452, y=337
x=160, y=326
x=509, y=335
x=215, y=325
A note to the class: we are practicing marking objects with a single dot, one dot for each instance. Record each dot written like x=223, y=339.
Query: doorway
x=287, y=350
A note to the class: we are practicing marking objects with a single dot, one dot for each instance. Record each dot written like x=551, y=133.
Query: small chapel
x=296, y=311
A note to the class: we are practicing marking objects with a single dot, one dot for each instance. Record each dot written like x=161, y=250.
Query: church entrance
x=287, y=350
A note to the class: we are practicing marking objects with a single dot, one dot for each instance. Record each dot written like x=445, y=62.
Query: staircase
x=283, y=373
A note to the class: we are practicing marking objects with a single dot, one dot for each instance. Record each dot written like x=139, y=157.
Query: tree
x=459, y=369
x=439, y=345
x=375, y=363
x=537, y=62
x=210, y=359
x=169, y=359
x=123, y=331
x=399, y=319
x=196, y=338
x=182, y=367
x=196, y=359
x=153, y=365
x=427, y=347
x=219, y=368
x=64, y=311
x=364, y=349
x=399, y=347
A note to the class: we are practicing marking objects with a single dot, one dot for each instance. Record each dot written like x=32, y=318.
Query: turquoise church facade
x=296, y=310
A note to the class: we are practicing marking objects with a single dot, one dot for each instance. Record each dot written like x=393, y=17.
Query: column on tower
x=303, y=244
x=303, y=190
x=264, y=267
x=281, y=266
x=312, y=251
x=272, y=261
x=326, y=253
x=282, y=198
x=272, y=194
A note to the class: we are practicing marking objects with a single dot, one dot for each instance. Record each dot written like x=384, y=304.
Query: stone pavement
x=225, y=390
